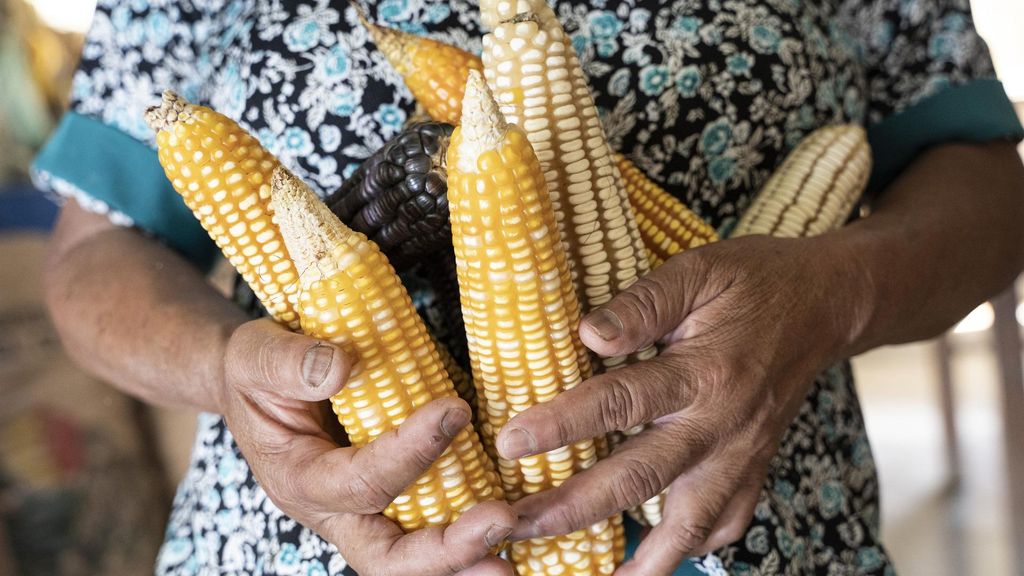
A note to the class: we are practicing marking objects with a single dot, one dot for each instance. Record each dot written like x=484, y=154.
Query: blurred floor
x=81, y=492
x=930, y=526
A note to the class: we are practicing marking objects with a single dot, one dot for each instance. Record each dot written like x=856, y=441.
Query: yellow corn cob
x=350, y=295
x=223, y=174
x=815, y=188
x=521, y=316
x=460, y=380
x=536, y=77
x=435, y=72
x=667, y=226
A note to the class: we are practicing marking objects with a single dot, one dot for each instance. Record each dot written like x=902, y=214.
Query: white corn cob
x=815, y=188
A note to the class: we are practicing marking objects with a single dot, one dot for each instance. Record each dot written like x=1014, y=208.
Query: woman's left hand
x=746, y=325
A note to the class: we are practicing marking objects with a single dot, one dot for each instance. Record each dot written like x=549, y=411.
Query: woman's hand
x=273, y=380
x=746, y=325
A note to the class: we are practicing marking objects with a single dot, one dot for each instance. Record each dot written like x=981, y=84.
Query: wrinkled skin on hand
x=745, y=325
x=273, y=382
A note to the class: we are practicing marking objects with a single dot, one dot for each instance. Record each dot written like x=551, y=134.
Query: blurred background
x=86, y=474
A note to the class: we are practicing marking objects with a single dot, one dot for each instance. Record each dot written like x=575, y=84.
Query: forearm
x=136, y=314
x=944, y=237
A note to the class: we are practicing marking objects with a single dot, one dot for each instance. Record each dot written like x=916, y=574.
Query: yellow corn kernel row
x=461, y=381
x=537, y=80
x=521, y=316
x=815, y=188
x=667, y=226
x=435, y=72
x=349, y=294
x=223, y=173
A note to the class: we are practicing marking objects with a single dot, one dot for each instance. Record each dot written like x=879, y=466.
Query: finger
x=694, y=503
x=634, y=473
x=734, y=521
x=367, y=480
x=266, y=357
x=651, y=308
x=489, y=566
x=374, y=543
x=617, y=400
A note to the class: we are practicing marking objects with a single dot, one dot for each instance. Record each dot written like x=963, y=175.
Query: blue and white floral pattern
x=706, y=95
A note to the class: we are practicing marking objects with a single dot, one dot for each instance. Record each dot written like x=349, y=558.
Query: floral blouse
x=707, y=97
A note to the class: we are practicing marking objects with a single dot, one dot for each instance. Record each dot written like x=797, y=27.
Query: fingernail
x=606, y=323
x=518, y=443
x=316, y=364
x=496, y=534
x=453, y=421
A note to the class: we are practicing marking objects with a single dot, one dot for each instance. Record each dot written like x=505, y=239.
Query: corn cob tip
x=361, y=15
x=483, y=125
x=308, y=227
x=392, y=43
x=172, y=108
x=496, y=12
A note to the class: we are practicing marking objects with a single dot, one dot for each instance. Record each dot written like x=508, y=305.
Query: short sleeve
x=102, y=153
x=929, y=80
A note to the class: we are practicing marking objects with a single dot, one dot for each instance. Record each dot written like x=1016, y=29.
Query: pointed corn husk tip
x=483, y=125
x=391, y=42
x=310, y=230
x=172, y=108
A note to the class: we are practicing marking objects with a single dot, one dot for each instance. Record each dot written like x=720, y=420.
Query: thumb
x=263, y=355
x=646, y=311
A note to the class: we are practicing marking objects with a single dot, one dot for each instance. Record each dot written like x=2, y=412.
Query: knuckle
x=639, y=482
x=564, y=431
x=689, y=536
x=562, y=520
x=619, y=409
x=366, y=496
x=646, y=298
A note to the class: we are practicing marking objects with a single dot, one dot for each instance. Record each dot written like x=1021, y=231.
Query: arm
x=943, y=238
x=136, y=314
x=747, y=325
x=121, y=301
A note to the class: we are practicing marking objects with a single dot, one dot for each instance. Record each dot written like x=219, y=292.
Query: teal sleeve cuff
x=975, y=112
x=85, y=157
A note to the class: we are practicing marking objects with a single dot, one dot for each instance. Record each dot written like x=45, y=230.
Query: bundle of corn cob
x=815, y=188
x=397, y=197
x=226, y=179
x=224, y=174
x=435, y=72
x=521, y=316
x=667, y=226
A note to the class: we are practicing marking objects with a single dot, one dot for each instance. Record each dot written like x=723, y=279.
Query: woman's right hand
x=273, y=381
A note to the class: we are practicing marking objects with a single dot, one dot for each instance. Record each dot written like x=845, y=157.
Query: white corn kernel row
x=815, y=188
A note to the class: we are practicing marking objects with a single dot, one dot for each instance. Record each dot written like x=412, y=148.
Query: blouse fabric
x=706, y=96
